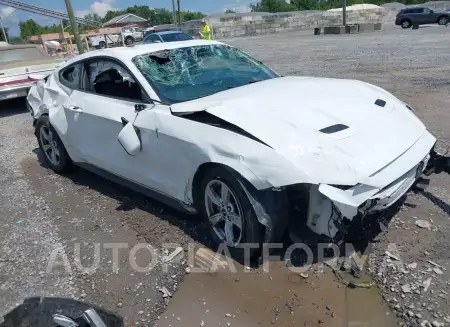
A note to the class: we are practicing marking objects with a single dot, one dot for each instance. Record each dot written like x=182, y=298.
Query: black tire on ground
x=252, y=230
x=102, y=45
x=443, y=20
x=129, y=40
x=63, y=163
x=406, y=23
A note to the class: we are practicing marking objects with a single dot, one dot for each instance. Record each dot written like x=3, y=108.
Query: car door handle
x=74, y=108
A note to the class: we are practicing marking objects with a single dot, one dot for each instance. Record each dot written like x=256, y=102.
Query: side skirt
x=167, y=200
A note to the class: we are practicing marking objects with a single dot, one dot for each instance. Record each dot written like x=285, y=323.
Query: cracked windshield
x=189, y=73
x=245, y=163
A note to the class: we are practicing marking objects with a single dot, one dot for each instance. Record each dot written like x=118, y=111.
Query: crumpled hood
x=331, y=129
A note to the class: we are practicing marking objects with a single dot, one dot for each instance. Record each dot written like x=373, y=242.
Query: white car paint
x=376, y=157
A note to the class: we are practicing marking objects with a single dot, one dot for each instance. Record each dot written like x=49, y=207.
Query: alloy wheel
x=224, y=212
x=49, y=145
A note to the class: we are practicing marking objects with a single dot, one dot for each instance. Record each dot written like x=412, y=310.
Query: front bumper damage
x=332, y=208
x=328, y=210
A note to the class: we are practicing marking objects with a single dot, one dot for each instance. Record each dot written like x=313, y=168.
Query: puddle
x=278, y=297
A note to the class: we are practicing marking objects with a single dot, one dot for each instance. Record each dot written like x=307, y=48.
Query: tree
x=2, y=37
x=28, y=28
x=113, y=13
x=191, y=15
x=273, y=6
x=229, y=11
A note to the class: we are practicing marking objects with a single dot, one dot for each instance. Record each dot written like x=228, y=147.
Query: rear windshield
x=7, y=55
x=172, y=37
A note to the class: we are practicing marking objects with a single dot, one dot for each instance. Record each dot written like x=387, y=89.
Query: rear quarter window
x=70, y=76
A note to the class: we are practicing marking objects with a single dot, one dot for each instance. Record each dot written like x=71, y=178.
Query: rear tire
x=406, y=23
x=129, y=40
x=443, y=20
x=53, y=150
x=223, y=216
x=102, y=45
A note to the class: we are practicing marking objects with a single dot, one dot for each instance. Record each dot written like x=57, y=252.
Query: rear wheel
x=102, y=45
x=129, y=40
x=55, y=154
x=228, y=212
x=443, y=20
x=406, y=24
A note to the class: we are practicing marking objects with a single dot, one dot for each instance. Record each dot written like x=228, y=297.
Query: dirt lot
x=42, y=212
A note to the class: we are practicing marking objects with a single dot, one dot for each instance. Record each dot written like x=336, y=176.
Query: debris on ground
x=406, y=288
x=423, y=224
x=426, y=284
x=174, y=254
x=412, y=265
x=392, y=256
x=165, y=292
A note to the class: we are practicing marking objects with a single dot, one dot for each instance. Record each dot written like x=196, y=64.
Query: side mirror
x=130, y=140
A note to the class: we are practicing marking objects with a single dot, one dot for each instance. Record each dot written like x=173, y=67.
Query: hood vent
x=333, y=129
x=380, y=103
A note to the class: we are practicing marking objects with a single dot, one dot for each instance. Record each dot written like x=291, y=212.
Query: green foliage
x=2, y=37
x=30, y=27
x=273, y=6
x=229, y=11
x=157, y=16
x=191, y=15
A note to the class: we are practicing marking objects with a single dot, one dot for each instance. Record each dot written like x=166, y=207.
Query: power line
x=46, y=12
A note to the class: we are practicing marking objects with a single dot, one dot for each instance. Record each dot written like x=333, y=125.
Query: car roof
x=127, y=53
x=168, y=32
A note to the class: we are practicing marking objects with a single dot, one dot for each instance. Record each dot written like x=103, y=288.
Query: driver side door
x=109, y=98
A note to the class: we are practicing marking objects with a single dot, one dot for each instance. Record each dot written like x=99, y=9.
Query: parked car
x=421, y=16
x=21, y=66
x=166, y=36
x=130, y=35
x=204, y=127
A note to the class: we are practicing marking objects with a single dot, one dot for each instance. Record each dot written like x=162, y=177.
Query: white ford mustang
x=203, y=126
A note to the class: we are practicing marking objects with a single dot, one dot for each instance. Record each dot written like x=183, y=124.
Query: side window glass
x=108, y=78
x=427, y=11
x=70, y=76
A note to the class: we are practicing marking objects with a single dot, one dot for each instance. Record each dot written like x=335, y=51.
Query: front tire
x=406, y=24
x=228, y=213
x=53, y=150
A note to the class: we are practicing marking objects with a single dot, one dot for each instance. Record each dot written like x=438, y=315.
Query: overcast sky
x=83, y=7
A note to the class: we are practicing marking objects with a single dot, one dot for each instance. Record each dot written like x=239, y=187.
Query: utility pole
x=344, y=12
x=174, y=13
x=73, y=23
x=3, y=30
x=179, y=12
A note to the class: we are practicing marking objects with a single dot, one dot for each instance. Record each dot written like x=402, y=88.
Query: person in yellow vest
x=205, y=31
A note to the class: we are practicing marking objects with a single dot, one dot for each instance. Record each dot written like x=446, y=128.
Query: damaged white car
x=203, y=126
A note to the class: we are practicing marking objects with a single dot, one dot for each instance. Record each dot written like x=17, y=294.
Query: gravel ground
x=43, y=211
